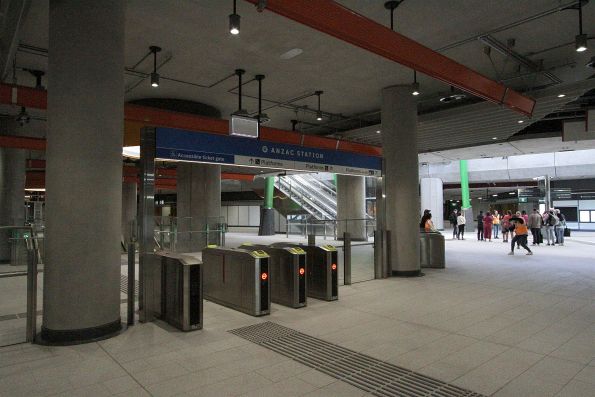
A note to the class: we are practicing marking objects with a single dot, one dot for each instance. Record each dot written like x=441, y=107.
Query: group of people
x=516, y=226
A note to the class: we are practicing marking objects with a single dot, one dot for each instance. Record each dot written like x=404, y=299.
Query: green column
x=335, y=179
x=466, y=202
x=269, y=191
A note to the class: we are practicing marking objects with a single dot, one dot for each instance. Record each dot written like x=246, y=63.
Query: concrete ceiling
x=193, y=33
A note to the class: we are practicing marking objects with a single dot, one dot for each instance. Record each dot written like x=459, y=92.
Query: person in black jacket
x=480, y=226
x=453, y=223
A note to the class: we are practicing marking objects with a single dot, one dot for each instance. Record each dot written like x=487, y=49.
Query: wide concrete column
x=129, y=201
x=12, y=195
x=432, y=198
x=84, y=170
x=351, y=204
x=198, y=204
x=401, y=179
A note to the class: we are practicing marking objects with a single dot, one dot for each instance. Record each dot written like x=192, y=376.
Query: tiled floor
x=492, y=323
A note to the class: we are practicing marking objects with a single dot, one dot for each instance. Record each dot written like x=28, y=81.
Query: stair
x=318, y=198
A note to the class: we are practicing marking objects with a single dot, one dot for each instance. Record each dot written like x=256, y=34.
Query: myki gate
x=167, y=144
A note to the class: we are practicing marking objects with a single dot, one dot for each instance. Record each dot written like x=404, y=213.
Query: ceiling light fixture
x=154, y=76
x=415, y=86
x=319, y=113
x=234, y=21
x=494, y=138
x=580, y=41
x=378, y=131
x=521, y=121
x=561, y=95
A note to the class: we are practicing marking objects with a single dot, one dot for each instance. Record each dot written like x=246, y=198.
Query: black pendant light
x=155, y=75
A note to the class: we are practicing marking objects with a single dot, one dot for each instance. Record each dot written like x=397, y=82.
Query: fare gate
x=288, y=269
x=238, y=279
x=322, y=270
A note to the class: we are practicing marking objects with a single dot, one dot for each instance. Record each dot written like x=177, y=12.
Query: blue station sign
x=200, y=147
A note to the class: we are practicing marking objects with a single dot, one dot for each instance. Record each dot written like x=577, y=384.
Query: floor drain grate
x=364, y=372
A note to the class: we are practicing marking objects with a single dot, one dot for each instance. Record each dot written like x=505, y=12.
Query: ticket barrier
x=237, y=278
x=181, y=291
x=288, y=274
x=322, y=271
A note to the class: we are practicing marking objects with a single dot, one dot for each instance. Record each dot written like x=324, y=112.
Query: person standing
x=488, y=222
x=560, y=226
x=461, y=225
x=496, y=223
x=429, y=224
x=534, y=224
x=453, y=223
x=506, y=226
x=520, y=236
x=480, y=226
x=550, y=224
x=525, y=216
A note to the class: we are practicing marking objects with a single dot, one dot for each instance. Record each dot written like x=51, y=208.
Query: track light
x=154, y=75
x=415, y=85
x=234, y=21
x=319, y=113
x=580, y=41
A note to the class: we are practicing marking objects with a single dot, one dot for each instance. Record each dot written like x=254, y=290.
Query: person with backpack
x=453, y=223
x=559, y=228
x=550, y=224
x=521, y=233
x=480, y=226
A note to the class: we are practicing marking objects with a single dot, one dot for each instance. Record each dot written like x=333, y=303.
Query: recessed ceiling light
x=294, y=52
x=495, y=137
x=378, y=131
x=561, y=95
x=521, y=121
x=494, y=195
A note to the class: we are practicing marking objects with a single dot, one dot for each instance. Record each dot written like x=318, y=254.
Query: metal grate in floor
x=374, y=376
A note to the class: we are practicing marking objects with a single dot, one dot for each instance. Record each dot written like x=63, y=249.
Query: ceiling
x=197, y=48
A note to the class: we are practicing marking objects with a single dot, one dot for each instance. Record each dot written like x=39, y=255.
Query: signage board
x=179, y=145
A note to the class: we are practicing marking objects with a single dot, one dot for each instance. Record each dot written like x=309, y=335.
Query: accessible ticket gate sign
x=180, y=145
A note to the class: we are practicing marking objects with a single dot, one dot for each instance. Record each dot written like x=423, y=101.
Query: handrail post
x=131, y=282
x=346, y=258
x=31, y=294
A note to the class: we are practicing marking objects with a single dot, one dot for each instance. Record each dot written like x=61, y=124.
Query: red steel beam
x=21, y=142
x=332, y=18
x=37, y=99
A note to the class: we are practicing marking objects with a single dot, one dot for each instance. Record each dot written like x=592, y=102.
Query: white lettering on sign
x=292, y=152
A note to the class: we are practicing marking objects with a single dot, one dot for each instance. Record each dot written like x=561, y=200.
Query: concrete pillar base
x=78, y=336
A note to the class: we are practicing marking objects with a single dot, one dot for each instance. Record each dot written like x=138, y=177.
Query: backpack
x=552, y=220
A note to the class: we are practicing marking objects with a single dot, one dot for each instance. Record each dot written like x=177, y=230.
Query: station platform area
x=490, y=323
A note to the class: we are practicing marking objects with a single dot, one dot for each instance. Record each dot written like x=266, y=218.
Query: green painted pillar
x=335, y=179
x=269, y=191
x=466, y=202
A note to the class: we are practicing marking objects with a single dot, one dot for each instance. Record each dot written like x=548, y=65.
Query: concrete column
x=129, y=200
x=12, y=196
x=351, y=204
x=432, y=199
x=198, y=204
x=84, y=170
x=267, y=213
x=401, y=179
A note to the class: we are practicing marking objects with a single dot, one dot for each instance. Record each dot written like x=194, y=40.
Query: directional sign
x=180, y=145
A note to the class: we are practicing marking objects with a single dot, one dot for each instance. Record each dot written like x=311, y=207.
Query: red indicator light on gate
x=334, y=266
x=302, y=271
x=264, y=276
